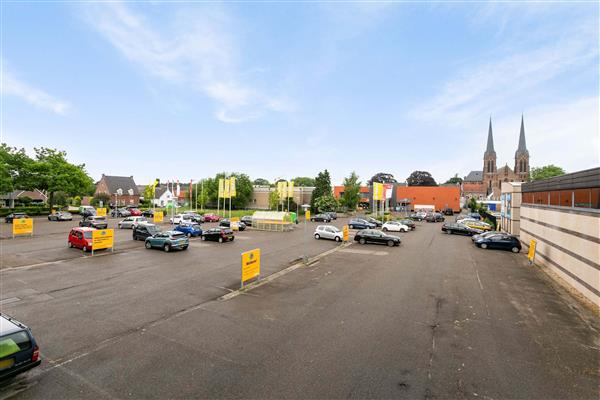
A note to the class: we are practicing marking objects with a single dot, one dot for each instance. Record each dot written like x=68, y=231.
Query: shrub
x=31, y=211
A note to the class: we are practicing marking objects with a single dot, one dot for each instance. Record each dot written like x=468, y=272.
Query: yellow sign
x=221, y=187
x=22, y=226
x=307, y=215
x=226, y=187
x=531, y=254
x=103, y=239
x=346, y=233
x=377, y=191
x=250, y=265
x=232, y=191
x=158, y=217
x=290, y=188
x=101, y=212
x=234, y=223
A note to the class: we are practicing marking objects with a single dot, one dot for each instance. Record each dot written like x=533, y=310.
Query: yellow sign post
x=103, y=239
x=250, y=265
x=346, y=233
x=531, y=253
x=101, y=212
x=307, y=215
x=22, y=226
x=158, y=217
x=234, y=223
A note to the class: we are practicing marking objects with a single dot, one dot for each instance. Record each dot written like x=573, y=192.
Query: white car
x=328, y=232
x=131, y=222
x=179, y=218
x=395, y=226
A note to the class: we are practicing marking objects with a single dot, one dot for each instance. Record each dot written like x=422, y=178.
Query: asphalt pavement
x=433, y=318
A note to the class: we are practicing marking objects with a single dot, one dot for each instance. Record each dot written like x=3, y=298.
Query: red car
x=135, y=212
x=81, y=238
x=211, y=218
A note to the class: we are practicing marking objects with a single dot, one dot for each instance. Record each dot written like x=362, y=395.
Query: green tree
x=545, y=172
x=304, y=181
x=52, y=172
x=148, y=194
x=201, y=199
x=322, y=188
x=455, y=180
x=472, y=204
x=25, y=200
x=261, y=182
x=15, y=169
x=243, y=187
x=101, y=197
x=76, y=201
x=420, y=178
x=274, y=200
x=351, y=196
x=61, y=199
x=326, y=203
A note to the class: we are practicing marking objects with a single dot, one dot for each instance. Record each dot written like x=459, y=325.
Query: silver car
x=328, y=232
x=60, y=216
x=130, y=222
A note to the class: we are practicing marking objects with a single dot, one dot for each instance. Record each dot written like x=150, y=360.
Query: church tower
x=489, y=162
x=522, y=156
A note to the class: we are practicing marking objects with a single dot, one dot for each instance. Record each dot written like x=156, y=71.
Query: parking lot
x=433, y=318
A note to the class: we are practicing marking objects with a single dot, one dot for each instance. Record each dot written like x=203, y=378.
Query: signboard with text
x=250, y=265
x=158, y=216
x=345, y=233
x=307, y=215
x=101, y=211
x=102, y=239
x=22, y=226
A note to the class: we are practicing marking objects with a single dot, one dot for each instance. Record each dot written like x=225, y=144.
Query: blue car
x=189, y=229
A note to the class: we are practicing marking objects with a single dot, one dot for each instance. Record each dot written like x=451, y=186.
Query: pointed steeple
x=522, y=145
x=490, y=140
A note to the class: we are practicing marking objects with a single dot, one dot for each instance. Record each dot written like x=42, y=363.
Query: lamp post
x=305, y=207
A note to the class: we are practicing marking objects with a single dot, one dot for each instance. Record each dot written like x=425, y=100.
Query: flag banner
x=178, y=189
x=290, y=189
x=232, y=191
x=221, y=187
x=226, y=193
x=389, y=189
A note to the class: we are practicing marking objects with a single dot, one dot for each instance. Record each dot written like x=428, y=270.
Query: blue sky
x=278, y=89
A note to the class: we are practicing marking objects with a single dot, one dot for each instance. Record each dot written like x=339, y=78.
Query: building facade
x=488, y=182
x=510, y=211
x=113, y=185
x=260, y=196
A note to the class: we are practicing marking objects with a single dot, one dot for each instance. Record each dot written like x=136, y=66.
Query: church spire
x=522, y=145
x=490, y=140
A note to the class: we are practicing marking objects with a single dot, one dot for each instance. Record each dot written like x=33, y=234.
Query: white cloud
x=196, y=51
x=13, y=86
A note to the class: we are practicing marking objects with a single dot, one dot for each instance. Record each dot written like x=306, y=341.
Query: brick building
x=111, y=185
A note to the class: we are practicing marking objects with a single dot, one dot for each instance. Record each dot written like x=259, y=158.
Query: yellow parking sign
x=531, y=253
x=346, y=233
x=22, y=226
x=250, y=265
x=307, y=215
x=102, y=239
x=158, y=216
x=101, y=212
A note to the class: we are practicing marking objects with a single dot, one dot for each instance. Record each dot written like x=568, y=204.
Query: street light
x=305, y=207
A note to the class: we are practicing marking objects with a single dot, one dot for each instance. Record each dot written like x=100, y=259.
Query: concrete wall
x=568, y=243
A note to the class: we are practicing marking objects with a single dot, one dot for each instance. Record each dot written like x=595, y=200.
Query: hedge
x=31, y=211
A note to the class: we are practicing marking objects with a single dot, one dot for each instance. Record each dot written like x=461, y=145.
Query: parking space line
x=365, y=252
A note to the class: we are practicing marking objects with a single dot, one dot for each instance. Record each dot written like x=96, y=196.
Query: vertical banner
x=283, y=189
x=290, y=192
x=226, y=192
x=307, y=215
x=232, y=191
x=377, y=191
x=221, y=187
x=346, y=233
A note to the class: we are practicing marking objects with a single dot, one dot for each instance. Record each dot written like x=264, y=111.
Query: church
x=487, y=182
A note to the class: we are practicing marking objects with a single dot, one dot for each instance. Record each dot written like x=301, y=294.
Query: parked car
x=328, y=232
x=477, y=225
x=60, y=216
x=462, y=218
x=219, y=234
x=167, y=241
x=189, y=229
x=80, y=238
x=474, y=215
x=134, y=212
x=9, y=218
x=359, y=223
x=434, y=217
x=416, y=217
x=20, y=351
x=120, y=212
x=247, y=219
x=500, y=241
x=320, y=218
x=130, y=222
x=410, y=223
x=228, y=224
x=211, y=218
x=94, y=222
x=460, y=229
x=195, y=217
x=375, y=236
x=86, y=211
x=148, y=213
x=332, y=214
x=484, y=234
x=448, y=211
x=144, y=230
x=181, y=218
x=395, y=226
x=374, y=221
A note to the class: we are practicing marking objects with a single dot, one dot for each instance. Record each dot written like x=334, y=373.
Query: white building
x=162, y=196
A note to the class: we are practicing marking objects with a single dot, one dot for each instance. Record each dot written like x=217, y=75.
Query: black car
x=94, y=222
x=195, y=217
x=20, y=351
x=359, y=223
x=415, y=217
x=500, y=241
x=460, y=229
x=408, y=223
x=321, y=218
x=448, y=211
x=9, y=218
x=219, y=234
x=143, y=230
x=375, y=222
x=434, y=217
x=375, y=236
x=247, y=220
x=332, y=214
x=148, y=213
x=227, y=224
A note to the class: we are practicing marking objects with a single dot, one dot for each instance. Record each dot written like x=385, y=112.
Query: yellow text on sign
x=307, y=215
x=103, y=239
x=346, y=233
x=22, y=226
x=101, y=212
x=158, y=216
x=531, y=254
x=250, y=265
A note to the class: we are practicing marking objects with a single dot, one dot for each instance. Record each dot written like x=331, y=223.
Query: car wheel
x=220, y=240
x=202, y=237
x=120, y=226
x=166, y=248
x=515, y=249
x=317, y=236
x=338, y=239
x=362, y=241
x=390, y=243
x=189, y=235
x=85, y=249
x=351, y=226
x=483, y=246
x=184, y=248
x=385, y=229
x=148, y=245
x=70, y=245
x=449, y=232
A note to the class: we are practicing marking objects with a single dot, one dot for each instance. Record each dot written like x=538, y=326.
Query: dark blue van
x=19, y=351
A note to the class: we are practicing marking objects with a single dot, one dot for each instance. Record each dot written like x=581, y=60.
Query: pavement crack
x=439, y=301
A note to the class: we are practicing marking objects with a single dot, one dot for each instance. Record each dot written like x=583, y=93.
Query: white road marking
x=479, y=280
x=365, y=252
